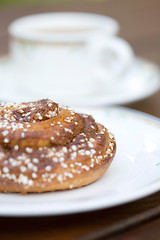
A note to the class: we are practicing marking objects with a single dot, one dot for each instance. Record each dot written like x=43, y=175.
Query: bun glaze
x=47, y=147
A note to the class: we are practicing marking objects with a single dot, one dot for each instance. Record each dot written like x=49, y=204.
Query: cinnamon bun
x=47, y=147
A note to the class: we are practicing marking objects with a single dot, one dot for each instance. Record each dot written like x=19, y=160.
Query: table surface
x=139, y=21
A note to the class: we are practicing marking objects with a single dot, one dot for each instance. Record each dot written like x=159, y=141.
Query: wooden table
x=139, y=20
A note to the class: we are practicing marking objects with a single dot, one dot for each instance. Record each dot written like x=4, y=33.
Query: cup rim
x=20, y=28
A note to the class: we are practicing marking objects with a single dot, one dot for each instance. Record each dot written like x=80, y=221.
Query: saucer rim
x=99, y=100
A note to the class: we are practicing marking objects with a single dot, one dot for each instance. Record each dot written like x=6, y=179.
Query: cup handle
x=115, y=61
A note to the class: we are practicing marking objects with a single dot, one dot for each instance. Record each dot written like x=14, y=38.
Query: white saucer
x=140, y=81
x=133, y=174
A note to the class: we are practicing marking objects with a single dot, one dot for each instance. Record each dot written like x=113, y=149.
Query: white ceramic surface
x=134, y=173
x=140, y=81
x=67, y=54
x=61, y=26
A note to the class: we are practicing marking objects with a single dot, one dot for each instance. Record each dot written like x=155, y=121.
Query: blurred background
x=138, y=20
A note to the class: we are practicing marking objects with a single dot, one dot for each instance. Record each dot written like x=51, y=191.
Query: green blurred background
x=22, y=2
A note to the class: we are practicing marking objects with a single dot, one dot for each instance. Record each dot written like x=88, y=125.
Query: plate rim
x=96, y=205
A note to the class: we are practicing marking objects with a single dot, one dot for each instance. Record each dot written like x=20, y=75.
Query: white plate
x=141, y=80
x=134, y=173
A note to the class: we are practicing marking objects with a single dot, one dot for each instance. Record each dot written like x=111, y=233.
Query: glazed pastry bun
x=47, y=147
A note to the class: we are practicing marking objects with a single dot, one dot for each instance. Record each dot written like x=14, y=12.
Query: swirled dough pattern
x=47, y=147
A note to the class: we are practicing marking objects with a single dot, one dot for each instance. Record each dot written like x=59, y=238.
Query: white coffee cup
x=62, y=55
